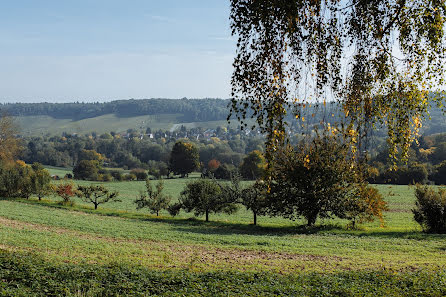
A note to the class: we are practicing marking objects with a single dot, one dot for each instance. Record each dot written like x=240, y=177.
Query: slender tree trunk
x=157, y=213
x=207, y=215
x=255, y=217
x=95, y=206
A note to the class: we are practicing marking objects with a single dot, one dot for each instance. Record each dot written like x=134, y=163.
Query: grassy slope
x=118, y=234
x=42, y=125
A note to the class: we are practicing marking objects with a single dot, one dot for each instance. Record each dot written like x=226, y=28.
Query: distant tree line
x=193, y=110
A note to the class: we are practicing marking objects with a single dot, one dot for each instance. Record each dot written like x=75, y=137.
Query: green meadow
x=116, y=249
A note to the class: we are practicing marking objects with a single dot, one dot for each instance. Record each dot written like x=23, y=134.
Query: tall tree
x=184, y=158
x=378, y=58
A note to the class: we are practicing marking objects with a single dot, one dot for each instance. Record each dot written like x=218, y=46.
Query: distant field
x=278, y=257
x=43, y=125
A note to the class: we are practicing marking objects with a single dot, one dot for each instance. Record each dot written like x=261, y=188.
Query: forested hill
x=193, y=110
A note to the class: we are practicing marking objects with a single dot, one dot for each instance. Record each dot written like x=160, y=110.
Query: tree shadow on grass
x=194, y=225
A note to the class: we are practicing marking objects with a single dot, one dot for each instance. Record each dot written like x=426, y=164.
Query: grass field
x=116, y=250
x=43, y=125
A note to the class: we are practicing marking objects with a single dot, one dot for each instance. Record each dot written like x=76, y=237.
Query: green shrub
x=430, y=209
x=140, y=174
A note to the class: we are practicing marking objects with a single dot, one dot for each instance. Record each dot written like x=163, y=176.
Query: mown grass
x=288, y=256
x=27, y=275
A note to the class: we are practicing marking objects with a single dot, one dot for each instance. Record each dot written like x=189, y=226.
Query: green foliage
x=184, y=158
x=90, y=155
x=87, y=170
x=404, y=175
x=154, y=199
x=318, y=179
x=40, y=181
x=96, y=194
x=17, y=180
x=140, y=174
x=253, y=166
x=254, y=199
x=430, y=209
x=439, y=174
x=29, y=275
x=203, y=196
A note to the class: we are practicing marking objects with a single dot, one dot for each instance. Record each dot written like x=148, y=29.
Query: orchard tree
x=317, y=180
x=154, y=199
x=65, y=191
x=40, y=181
x=184, y=158
x=254, y=199
x=378, y=59
x=202, y=196
x=96, y=194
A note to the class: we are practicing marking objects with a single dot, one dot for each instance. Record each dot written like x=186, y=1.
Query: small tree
x=203, y=196
x=430, y=209
x=96, y=194
x=66, y=192
x=153, y=199
x=40, y=181
x=254, y=199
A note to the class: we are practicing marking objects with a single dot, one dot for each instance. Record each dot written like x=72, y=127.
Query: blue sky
x=98, y=50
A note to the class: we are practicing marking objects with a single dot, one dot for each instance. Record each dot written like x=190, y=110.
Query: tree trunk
x=207, y=216
x=95, y=206
x=255, y=217
x=311, y=220
x=157, y=213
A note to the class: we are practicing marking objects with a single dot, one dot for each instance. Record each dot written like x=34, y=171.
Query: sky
x=101, y=50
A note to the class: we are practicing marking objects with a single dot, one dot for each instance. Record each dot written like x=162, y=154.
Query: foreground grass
x=27, y=275
x=115, y=245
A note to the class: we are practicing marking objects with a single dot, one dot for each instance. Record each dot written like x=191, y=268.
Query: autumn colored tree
x=96, y=194
x=153, y=199
x=184, y=158
x=213, y=164
x=378, y=59
x=65, y=191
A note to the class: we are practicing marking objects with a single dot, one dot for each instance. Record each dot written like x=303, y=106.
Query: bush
x=130, y=177
x=140, y=174
x=439, y=174
x=430, y=209
x=117, y=175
